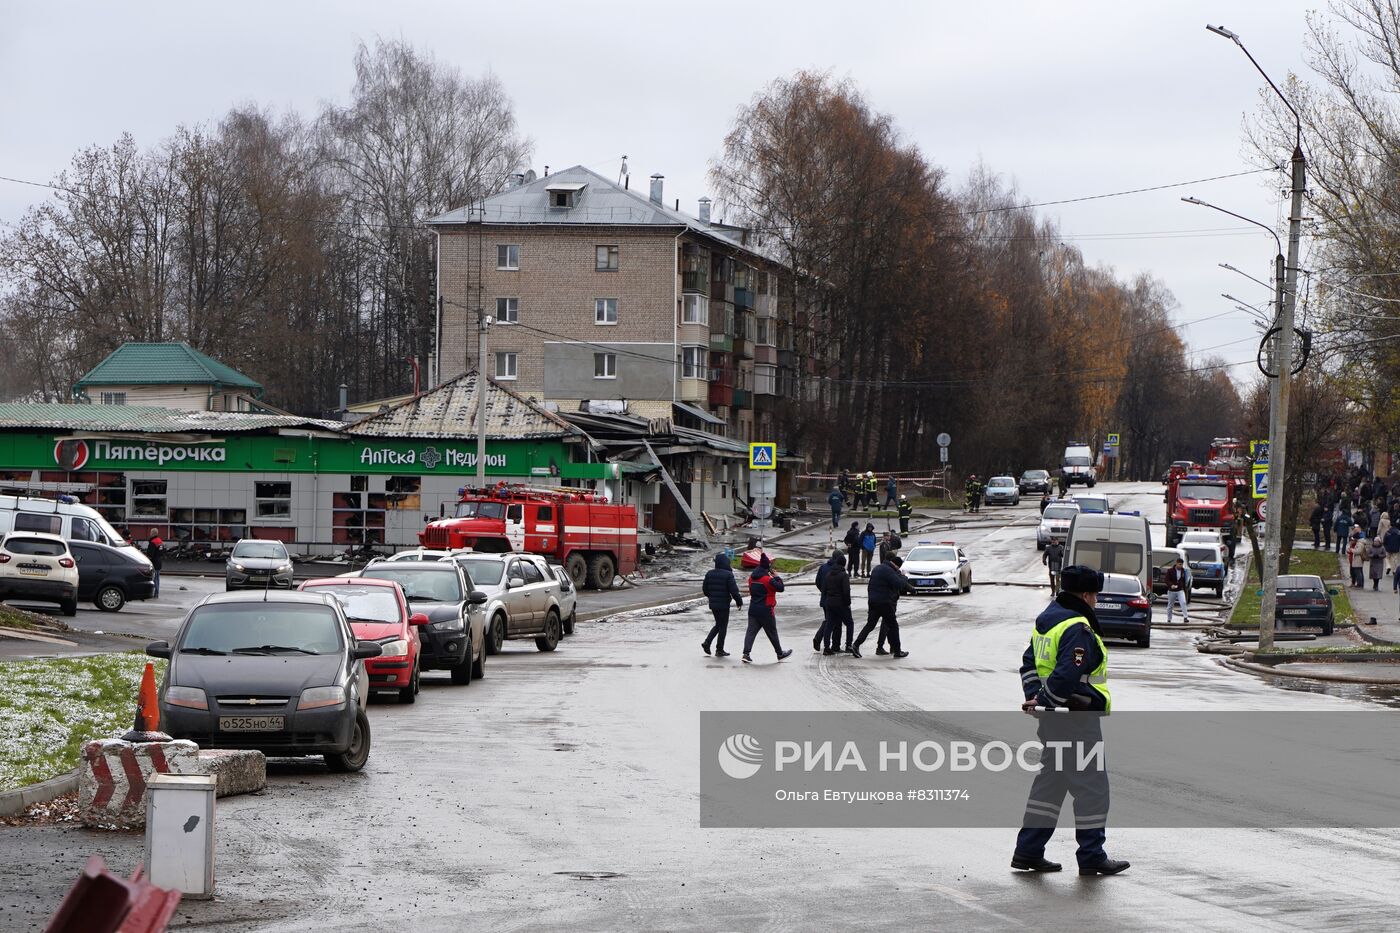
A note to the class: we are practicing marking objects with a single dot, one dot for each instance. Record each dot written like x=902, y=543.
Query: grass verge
x=50, y=707
x=781, y=565
x=1321, y=563
x=1331, y=650
x=11, y=617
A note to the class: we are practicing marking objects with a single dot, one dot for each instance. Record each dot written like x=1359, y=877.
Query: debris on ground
x=61, y=809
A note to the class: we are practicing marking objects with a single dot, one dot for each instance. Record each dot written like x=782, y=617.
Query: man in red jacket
x=764, y=587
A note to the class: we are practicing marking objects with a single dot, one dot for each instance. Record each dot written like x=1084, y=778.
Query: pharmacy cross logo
x=740, y=756
x=431, y=458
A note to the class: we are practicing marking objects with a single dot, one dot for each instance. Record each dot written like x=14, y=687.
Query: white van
x=71, y=521
x=1120, y=543
x=1078, y=464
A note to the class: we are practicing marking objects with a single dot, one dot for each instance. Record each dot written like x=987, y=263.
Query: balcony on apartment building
x=744, y=298
x=743, y=398
x=695, y=282
x=721, y=383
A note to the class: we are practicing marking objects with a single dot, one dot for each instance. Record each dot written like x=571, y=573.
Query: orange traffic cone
x=147, y=727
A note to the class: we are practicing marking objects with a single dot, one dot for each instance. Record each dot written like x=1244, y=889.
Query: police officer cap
x=1081, y=579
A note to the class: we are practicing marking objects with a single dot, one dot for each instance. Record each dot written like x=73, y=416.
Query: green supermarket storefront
x=302, y=482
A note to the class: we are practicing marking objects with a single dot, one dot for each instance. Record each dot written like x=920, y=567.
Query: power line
x=1118, y=194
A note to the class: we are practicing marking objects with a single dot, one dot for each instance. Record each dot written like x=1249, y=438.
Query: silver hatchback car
x=255, y=563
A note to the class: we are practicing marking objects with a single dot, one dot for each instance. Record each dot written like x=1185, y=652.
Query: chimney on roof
x=344, y=397
x=656, y=181
x=704, y=210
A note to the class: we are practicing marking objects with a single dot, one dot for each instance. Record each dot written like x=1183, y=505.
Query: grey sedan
x=260, y=564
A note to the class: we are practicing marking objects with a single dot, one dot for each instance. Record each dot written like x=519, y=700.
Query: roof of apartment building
x=175, y=363
x=145, y=419
x=597, y=202
x=449, y=411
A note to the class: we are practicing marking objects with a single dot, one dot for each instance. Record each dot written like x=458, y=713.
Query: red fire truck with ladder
x=1206, y=501
x=593, y=538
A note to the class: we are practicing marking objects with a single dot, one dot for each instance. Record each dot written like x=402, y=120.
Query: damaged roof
x=449, y=411
x=148, y=419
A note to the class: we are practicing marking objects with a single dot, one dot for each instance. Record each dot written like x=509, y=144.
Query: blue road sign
x=763, y=456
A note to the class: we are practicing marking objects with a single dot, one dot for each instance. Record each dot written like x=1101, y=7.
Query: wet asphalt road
x=561, y=791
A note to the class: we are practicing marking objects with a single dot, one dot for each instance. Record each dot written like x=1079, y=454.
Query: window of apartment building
x=272, y=500
x=765, y=379
x=693, y=362
x=605, y=311
x=607, y=259
x=507, y=256
x=505, y=365
x=148, y=498
x=605, y=366
x=764, y=332
x=507, y=310
x=695, y=309
x=113, y=398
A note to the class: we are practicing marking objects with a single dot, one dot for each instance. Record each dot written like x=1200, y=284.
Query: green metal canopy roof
x=163, y=364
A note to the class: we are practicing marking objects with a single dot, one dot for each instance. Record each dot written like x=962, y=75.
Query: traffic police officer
x=1066, y=667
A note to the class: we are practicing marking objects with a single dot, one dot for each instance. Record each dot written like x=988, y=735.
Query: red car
x=378, y=612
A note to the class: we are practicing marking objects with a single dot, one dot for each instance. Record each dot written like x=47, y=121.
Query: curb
x=13, y=801
x=1361, y=630
x=603, y=614
x=1252, y=668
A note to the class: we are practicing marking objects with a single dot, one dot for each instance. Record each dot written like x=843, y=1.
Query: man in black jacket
x=852, y=542
x=719, y=587
x=887, y=584
x=834, y=583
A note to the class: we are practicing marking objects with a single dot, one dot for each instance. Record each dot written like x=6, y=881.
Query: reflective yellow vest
x=1047, y=649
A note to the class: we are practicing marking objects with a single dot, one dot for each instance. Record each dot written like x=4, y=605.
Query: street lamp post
x=1283, y=363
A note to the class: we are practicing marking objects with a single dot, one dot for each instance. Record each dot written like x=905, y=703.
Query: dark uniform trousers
x=721, y=626
x=1088, y=786
x=853, y=559
x=881, y=614
x=832, y=619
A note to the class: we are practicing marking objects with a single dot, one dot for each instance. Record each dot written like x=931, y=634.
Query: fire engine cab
x=594, y=539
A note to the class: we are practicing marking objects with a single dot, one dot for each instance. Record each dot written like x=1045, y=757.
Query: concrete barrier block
x=238, y=772
x=112, y=778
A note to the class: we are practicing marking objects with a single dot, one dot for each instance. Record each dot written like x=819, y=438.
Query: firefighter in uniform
x=905, y=512
x=1066, y=667
x=973, y=492
x=872, y=490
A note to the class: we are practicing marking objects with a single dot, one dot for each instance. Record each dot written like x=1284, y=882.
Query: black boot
x=706, y=646
x=1039, y=863
x=1107, y=867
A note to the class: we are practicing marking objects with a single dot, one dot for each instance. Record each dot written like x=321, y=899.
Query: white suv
x=38, y=566
x=1054, y=522
x=523, y=598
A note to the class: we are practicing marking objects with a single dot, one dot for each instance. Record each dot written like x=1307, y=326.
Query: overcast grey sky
x=1066, y=99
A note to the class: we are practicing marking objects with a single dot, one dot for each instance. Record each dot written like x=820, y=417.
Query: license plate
x=1295, y=612
x=923, y=582
x=251, y=723
x=34, y=571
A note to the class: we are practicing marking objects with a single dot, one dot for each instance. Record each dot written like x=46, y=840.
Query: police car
x=938, y=567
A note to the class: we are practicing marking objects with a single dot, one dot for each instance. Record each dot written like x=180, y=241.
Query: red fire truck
x=593, y=538
x=1206, y=500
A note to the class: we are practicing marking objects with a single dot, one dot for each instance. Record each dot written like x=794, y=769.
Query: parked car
x=1054, y=522
x=1178, y=468
x=1034, y=481
x=938, y=568
x=1202, y=536
x=1208, y=567
x=1304, y=600
x=417, y=553
x=255, y=562
x=282, y=674
x=1124, y=610
x=378, y=612
x=568, y=597
x=1162, y=560
x=1001, y=490
x=455, y=638
x=1093, y=502
x=110, y=577
x=36, y=566
x=523, y=598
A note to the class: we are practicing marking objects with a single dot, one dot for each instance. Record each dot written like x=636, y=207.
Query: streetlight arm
x=1256, y=223
x=1234, y=37
x=1226, y=265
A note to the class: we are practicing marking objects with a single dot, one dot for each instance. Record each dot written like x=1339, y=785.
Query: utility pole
x=482, y=322
x=1283, y=363
x=1278, y=429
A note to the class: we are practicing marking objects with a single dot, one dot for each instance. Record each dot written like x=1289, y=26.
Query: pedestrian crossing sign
x=763, y=456
x=1261, y=482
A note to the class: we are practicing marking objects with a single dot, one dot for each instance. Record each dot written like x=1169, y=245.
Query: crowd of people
x=1358, y=516
x=886, y=583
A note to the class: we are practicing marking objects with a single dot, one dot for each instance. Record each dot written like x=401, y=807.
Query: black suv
x=109, y=577
x=1034, y=481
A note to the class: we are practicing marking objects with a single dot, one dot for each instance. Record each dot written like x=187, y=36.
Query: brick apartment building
x=601, y=294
